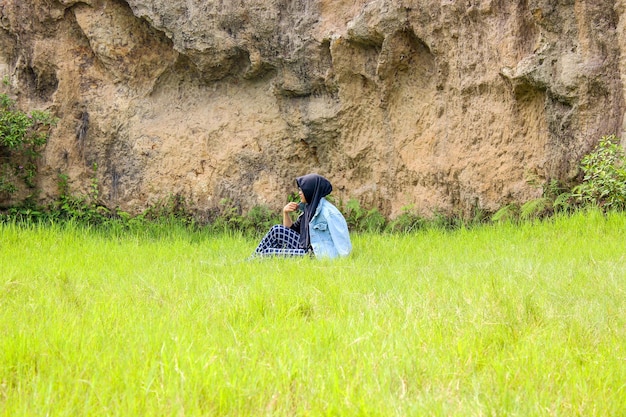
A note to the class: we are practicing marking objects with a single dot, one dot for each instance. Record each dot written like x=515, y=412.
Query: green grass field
x=505, y=320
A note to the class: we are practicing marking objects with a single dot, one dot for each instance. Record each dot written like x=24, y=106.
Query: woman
x=320, y=229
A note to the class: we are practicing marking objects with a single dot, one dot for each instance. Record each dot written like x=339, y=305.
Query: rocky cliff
x=441, y=104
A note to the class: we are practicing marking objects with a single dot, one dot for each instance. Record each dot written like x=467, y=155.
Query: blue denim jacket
x=329, y=232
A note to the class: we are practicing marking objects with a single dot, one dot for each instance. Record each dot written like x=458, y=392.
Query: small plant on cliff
x=408, y=221
x=78, y=207
x=604, y=176
x=508, y=213
x=230, y=217
x=555, y=199
x=363, y=220
x=22, y=136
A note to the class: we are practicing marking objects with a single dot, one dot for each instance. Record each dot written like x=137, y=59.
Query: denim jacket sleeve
x=339, y=232
x=329, y=232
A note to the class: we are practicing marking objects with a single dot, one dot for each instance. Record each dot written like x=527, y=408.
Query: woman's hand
x=290, y=207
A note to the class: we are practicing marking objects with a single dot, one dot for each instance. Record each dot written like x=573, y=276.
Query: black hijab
x=314, y=187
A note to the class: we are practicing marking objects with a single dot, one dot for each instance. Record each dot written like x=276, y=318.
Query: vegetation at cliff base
x=506, y=319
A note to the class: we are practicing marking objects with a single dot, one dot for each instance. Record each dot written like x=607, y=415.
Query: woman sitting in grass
x=320, y=229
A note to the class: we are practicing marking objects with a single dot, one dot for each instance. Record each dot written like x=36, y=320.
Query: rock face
x=445, y=105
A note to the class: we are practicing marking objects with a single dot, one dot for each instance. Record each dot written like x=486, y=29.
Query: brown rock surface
x=443, y=104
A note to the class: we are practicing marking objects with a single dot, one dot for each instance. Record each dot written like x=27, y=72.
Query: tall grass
x=505, y=319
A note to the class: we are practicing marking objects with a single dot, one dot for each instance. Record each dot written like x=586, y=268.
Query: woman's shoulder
x=328, y=207
x=325, y=203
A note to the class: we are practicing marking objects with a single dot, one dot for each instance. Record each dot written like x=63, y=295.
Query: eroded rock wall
x=445, y=105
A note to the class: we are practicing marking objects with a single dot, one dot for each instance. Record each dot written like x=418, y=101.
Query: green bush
x=555, y=199
x=363, y=220
x=604, y=176
x=229, y=217
x=22, y=136
x=408, y=221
